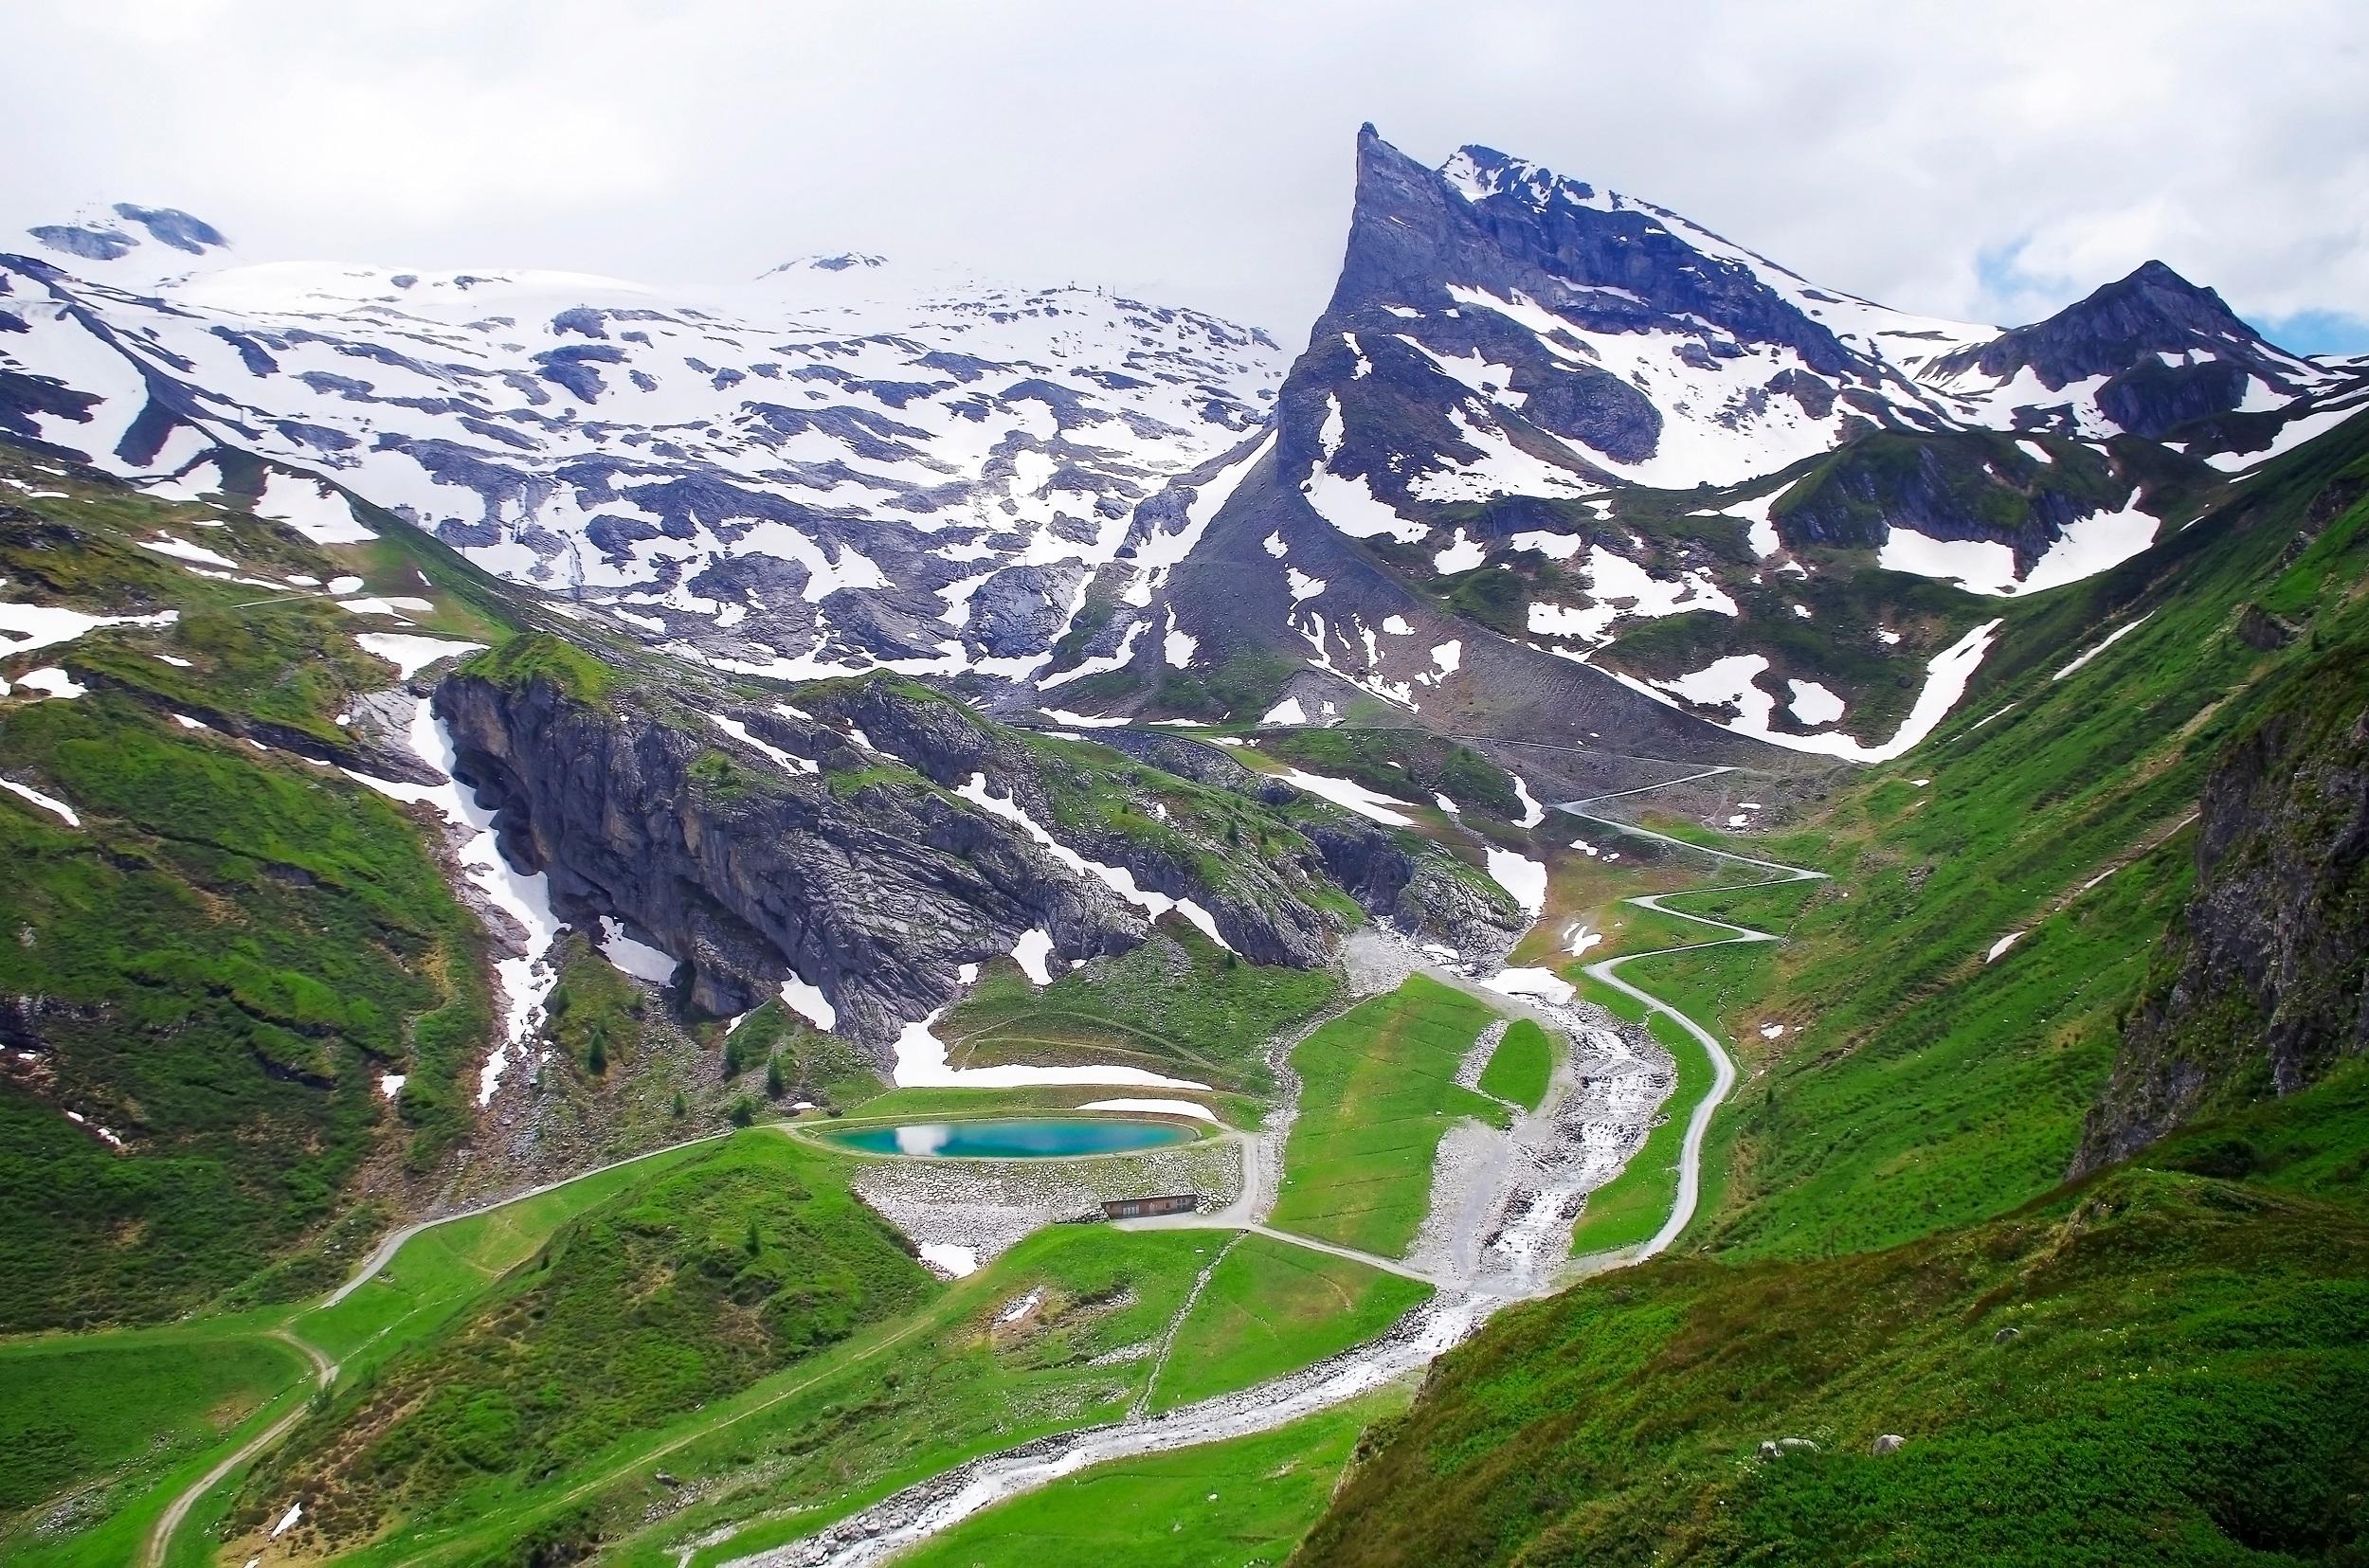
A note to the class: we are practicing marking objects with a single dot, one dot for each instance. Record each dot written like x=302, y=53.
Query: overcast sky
x=1988, y=160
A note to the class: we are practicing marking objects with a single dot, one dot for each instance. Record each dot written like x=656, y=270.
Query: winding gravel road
x=897, y=1522
x=1723, y=1069
x=932, y=1506
x=159, y=1543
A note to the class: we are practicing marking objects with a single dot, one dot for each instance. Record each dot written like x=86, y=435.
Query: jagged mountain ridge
x=842, y=464
x=1543, y=419
x=1540, y=425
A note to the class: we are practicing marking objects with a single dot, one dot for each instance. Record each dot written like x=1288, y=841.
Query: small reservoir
x=1029, y=1137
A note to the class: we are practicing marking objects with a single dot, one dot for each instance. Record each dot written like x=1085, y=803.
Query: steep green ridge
x=2259, y=987
x=2153, y=1368
x=691, y=1286
x=2188, y=1375
x=222, y=960
x=1378, y=1093
x=1957, y=1088
x=144, y=1375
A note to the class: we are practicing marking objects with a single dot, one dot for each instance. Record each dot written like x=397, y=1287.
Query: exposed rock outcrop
x=875, y=842
x=2260, y=987
x=875, y=894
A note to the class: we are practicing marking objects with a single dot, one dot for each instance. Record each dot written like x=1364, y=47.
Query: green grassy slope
x=1270, y=1306
x=686, y=1287
x=96, y=1419
x=2187, y=1381
x=222, y=960
x=1519, y=1068
x=1378, y=1092
x=1221, y=1505
x=2188, y=1375
x=1956, y=1088
x=131, y=1381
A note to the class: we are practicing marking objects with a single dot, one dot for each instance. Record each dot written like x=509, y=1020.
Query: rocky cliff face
x=2260, y=988
x=751, y=874
x=2168, y=351
x=874, y=843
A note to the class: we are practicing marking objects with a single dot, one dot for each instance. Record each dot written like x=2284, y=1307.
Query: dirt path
x=929, y=1508
x=384, y=1253
x=159, y=1542
x=1722, y=1069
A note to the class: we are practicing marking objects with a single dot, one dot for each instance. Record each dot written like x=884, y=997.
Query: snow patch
x=48, y=802
x=1034, y=947
x=1356, y=797
x=637, y=959
x=1161, y=1107
x=1533, y=982
x=809, y=1004
x=407, y=653
x=1520, y=876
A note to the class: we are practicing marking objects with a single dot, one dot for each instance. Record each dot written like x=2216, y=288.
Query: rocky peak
x=846, y=260
x=1602, y=261
x=118, y=233
x=2152, y=311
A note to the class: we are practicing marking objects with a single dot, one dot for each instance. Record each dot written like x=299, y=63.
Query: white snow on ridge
x=525, y=979
x=1731, y=682
x=48, y=802
x=1118, y=878
x=928, y=417
x=2093, y=650
x=26, y=627
x=1356, y=797
x=311, y=508
x=407, y=653
x=1158, y=555
x=2088, y=545
x=1613, y=578
x=181, y=549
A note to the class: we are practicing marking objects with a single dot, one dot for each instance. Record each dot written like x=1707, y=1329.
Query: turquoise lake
x=1033, y=1138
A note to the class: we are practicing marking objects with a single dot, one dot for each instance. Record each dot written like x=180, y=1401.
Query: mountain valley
x=1735, y=917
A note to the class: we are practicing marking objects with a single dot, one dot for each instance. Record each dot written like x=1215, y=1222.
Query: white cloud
x=1201, y=155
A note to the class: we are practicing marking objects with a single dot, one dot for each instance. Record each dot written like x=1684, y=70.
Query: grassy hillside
x=1235, y=1505
x=88, y=1418
x=688, y=1286
x=220, y=960
x=1521, y=1066
x=2051, y=808
x=1379, y=1092
x=1270, y=1306
x=2090, y=1379
x=1179, y=1004
x=2167, y=1362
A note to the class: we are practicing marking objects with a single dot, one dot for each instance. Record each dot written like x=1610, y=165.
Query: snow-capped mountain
x=841, y=465
x=1542, y=422
x=1556, y=462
